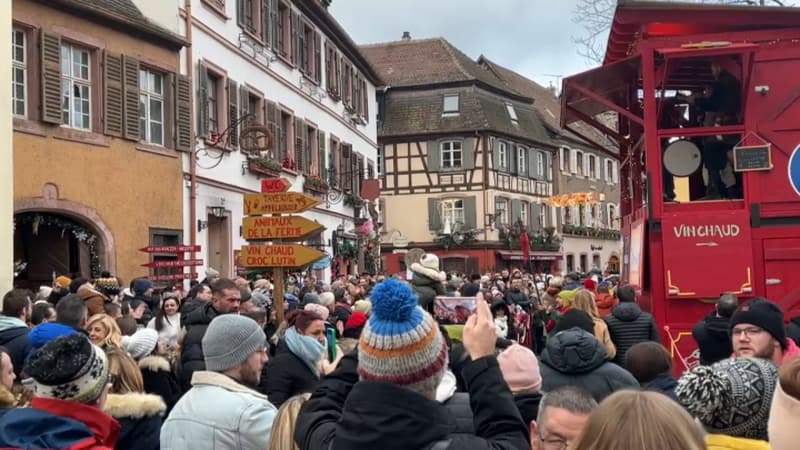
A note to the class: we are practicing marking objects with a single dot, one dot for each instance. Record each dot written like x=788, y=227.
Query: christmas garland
x=81, y=233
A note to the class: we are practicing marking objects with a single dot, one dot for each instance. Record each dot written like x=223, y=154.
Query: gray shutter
x=468, y=152
x=183, y=113
x=533, y=164
x=240, y=5
x=434, y=156
x=113, y=93
x=548, y=166
x=51, y=78
x=321, y=154
x=266, y=25
x=531, y=215
x=516, y=206
x=603, y=215
x=274, y=25
x=470, y=213
x=131, y=104
x=293, y=24
x=318, y=57
x=536, y=212
x=233, y=112
x=511, y=152
x=202, y=104
x=299, y=154
x=434, y=215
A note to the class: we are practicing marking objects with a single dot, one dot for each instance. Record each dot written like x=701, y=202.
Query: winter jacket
x=629, y=325
x=605, y=304
x=713, y=338
x=218, y=413
x=470, y=289
x=190, y=305
x=94, y=300
x=285, y=376
x=140, y=416
x=456, y=402
x=528, y=406
x=665, y=384
x=390, y=417
x=516, y=297
x=793, y=330
x=575, y=357
x=61, y=424
x=14, y=337
x=196, y=324
x=159, y=380
x=723, y=442
x=602, y=335
x=427, y=284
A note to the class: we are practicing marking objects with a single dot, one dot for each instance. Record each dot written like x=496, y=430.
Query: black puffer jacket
x=285, y=376
x=14, y=337
x=390, y=417
x=628, y=325
x=196, y=324
x=516, y=297
x=427, y=284
x=575, y=357
x=713, y=338
x=140, y=417
x=528, y=406
x=158, y=379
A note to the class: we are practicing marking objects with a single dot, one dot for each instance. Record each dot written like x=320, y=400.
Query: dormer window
x=450, y=104
x=512, y=113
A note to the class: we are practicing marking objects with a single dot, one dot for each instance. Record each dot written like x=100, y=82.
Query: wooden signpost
x=265, y=223
x=177, y=264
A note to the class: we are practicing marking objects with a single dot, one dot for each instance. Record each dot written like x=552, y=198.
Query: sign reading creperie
x=293, y=256
x=277, y=203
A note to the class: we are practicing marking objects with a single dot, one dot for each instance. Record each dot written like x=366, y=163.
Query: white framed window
x=212, y=101
x=450, y=105
x=565, y=159
x=19, y=73
x=502, y=155
x=151, y=107
x=615, y=171
x=540, y=164
x=592, y=162
x=608, y=171
x=452, y=212
x=522, y=160
x=76, y=86
x=541, y=220
x=579, y=168
x=452, y=155
x=512, y=113
x=575, y=215
x=523, y=212
x=501, y=210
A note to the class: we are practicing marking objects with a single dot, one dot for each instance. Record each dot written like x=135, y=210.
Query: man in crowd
x=42, y=312
x=71, y=311
x=225, y=299
x=712, y=333
x=222, y=410
x=757, y=331
x=628, y=324
x=562, y=415
x=14, y=326
x=514, y=294
x=143, y=304
x=199, y=295
x=472, y=288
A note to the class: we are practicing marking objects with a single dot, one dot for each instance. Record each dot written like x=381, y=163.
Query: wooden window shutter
x=318, y=57
x=321, y=165
x=332, y=165
x=131, y=104
x=468, y=152
x=51, y=78
x=281, y=147
x=266, y=29
x=435, y=215
x=202, y=104
x=183, y=113
x=516, y=207
x=345, y=180
x=359, y=174
x=293, y=24
x=306, y=149
x=495, y=144
x=532, y=211
x=328, y=61
x=434, y=156
x=240, y=12
x=299, y=153
x=113, y=94
x=470, y=213
x=270, y=109
x=233, y=112
x=366, y=99
x=533, y=164
x=273, y=25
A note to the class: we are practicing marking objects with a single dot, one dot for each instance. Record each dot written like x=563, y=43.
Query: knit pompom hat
x=731, y=397
x=142, y=343
x=69, y=368
x=401, y=343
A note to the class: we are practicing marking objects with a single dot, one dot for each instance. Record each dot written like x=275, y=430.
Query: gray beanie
x=230, y=340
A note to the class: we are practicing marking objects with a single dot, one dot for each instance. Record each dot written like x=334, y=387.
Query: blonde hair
x=126, y=374
x=584, y=301
x=641, y=420
x=113, y=334
x=282, y=437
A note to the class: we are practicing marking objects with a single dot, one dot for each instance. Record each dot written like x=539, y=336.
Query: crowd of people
x=362, y=363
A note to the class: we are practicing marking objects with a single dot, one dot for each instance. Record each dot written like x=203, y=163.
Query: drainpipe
x=192, y=161
x=7, y=158
x=485, y=195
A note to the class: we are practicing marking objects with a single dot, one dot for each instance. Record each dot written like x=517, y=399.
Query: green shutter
x=468, y=152
x=470, y=213
x=511, y=154
x=434, y=156
x=434, y=216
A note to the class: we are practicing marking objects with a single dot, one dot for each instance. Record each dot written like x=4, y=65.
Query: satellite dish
x=682, y=158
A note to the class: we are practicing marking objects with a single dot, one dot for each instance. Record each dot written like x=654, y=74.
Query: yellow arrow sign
x=289, y=256
x=287, y=227
x=277, y=203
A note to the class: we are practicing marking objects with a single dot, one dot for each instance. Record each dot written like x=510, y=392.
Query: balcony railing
x=600, y=233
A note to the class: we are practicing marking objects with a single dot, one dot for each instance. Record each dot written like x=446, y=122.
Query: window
x=305, y=40
x=451, y=104
x=285, y=150
x=596, y=261
x=284, y=30
x=161, y=237
x=512, y=113
x=522, y=166
x=501, y=210
x=76, y=87
x=592, y=167
x=451, y=154
x=584, y=263
x=612, y=216
x=540, y=163
x=19, y=73
x=452, y=212
x=151, y=107
x=579, y=168
x=523, y=213
x=570, y=262
x=213, y=83
x=379, y=165
x=565, y=157
x=248, y=10
x=609, y=171
x=502, y=156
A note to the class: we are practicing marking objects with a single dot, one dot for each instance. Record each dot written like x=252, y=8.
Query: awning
x=516, y=255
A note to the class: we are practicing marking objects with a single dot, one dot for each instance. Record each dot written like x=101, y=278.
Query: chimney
x=406, y=35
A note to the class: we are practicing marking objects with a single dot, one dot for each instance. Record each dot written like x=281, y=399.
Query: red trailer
x=693, y=87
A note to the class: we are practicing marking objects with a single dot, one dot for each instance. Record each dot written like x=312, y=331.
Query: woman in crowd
x=642, y=421
x=168, y=324
x=157, y=377
x=295, y=368
x=282, y=437
x=584, y=301
x=104, y=332
x=651, y=365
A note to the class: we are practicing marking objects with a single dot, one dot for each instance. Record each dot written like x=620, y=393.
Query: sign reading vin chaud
x=703, y=231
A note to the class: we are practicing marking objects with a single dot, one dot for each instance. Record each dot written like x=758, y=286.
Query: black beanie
x=764, y=314
x=574, y=318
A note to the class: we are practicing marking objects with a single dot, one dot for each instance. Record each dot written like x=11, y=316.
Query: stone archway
x=82, y=214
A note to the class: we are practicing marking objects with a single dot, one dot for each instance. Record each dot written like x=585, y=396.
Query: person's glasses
x=553, y=443
x=749, y=331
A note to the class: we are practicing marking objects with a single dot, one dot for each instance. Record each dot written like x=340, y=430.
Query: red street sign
x=171, y=249
x=274, y=185
x=174, y=263
x=174, y=277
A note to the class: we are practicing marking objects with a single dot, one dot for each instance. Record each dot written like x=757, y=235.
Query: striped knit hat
x=401, y=343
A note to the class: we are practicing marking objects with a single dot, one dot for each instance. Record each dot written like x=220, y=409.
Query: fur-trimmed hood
x=155, y=363
x=421, y=270
x=134, y=405
x=7, y=399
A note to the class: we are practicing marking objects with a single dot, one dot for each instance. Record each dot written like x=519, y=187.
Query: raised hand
x=479, y=331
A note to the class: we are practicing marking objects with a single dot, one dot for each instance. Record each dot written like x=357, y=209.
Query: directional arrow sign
x=288, y=227
x=273, y=185
x=289, y=256
x=174, y=277
x=278, y=203
x=171, y=249
x=174, y=263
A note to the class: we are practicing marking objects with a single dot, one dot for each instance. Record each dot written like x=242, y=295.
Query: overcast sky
x=532, y=37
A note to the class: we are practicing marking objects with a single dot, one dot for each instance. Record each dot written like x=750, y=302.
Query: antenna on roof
x=554, y=87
